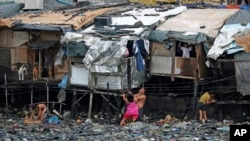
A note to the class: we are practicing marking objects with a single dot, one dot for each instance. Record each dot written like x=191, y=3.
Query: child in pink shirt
x=131, y=111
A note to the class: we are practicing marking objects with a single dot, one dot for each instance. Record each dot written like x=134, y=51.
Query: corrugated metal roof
x=10, y=9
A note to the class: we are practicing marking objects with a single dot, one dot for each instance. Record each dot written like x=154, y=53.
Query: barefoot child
x=132, y=109
x=38, y=110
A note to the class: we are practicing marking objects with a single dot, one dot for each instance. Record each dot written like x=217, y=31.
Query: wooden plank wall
x=6, y=38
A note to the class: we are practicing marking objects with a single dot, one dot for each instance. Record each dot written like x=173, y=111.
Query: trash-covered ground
x=53, y=128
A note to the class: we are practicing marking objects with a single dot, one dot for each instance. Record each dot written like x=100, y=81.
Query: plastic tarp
x=147, y=17
x=76, y=49
x=242, y=73
x=64, y=83
x=225, y=41
x=207, y=21
x=37, y=45
x=105, y=53
x=10, y=9
x=201, y=28
x=189, y=37
x=119, y=80
x=241, y=16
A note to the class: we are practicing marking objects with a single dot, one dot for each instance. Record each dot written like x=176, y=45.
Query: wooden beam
x=232, y=60
x=173, y=63
x=6, y=92
x=90, y=104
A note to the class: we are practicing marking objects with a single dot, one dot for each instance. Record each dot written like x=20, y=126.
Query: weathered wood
x=31, y=94
x=173, y=64
x=106, y=99
x=232, y=60
x=73, y=110
x=47, y=86
x=30, y=121
x=40, y=64
x=90, y=104
x=6, y=91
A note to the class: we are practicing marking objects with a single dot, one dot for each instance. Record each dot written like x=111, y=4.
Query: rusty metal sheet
x=59, y=18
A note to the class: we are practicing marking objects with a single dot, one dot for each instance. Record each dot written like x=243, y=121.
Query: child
x=39, y=110
x=35, y=72
x=132, y=109
x=185, y=50
x=205, y=99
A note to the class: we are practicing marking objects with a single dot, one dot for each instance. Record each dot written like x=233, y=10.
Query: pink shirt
x=132, y=109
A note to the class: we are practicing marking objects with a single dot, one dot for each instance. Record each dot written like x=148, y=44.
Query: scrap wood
x=244, y=41
x=31, y=121
x=6, y=23
x=56, y=18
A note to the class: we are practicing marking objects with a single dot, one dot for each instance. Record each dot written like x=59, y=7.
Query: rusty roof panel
x=76, y=18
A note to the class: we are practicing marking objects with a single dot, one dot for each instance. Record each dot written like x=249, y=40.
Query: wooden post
x=195, y=98
x=31, y=94
x=129, y=73
x=39, y=64
x=47, y=94
x=194, y=101
x=73, y=110
x=6, y=92
x=90, y=104
x=173, y=63
x=109, y=104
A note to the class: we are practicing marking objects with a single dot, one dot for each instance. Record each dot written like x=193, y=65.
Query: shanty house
x=198, y=32
x=38, y=35
x=231, y=48
x=109, y=56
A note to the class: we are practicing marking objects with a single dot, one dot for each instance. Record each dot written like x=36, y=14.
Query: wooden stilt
x=47, y=86
x=195, y=98
x=6, y=92
x=109, y=112
x=31, y=94
x=39, y=64
x=90, y=104
x=73, y=109
x=60, y=110
x=106, y=99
